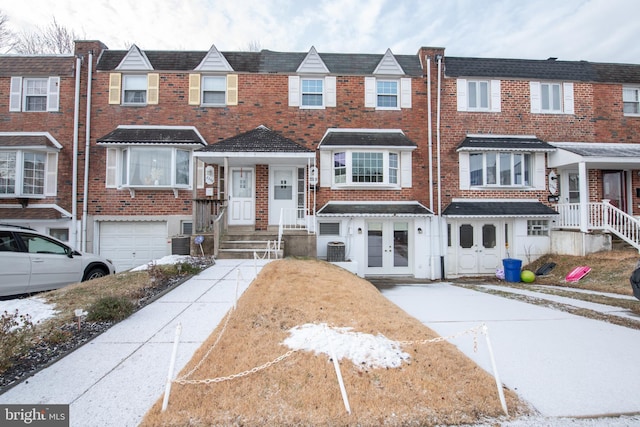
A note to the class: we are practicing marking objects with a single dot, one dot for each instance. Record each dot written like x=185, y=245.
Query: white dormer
x=388, y=65
x=312, y=63
x=134, y=60
x=214, y=61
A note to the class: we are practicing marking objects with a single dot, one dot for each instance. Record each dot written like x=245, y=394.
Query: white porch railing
x=295, y=219
x=601, y=216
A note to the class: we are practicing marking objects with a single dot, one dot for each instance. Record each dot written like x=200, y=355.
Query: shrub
x=17, y=334
x=108, y=309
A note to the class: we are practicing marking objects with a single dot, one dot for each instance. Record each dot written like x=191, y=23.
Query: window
x=551, y=97
x=631, y=100
x=500, y=169
x=329, y=228
x=153, y=167
x=186, y=228
x=34, y=94
x=478, y=95
x=134, y=89
x=387, y=93
x=214, y=90
x=59, y=233
x=24, y=173
x=365, y=168
x=537, y=227
x=312, y=90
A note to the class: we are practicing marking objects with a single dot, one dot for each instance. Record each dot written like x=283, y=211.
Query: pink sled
x=577, y=273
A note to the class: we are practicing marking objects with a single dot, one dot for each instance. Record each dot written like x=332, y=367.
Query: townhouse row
x=420, y=165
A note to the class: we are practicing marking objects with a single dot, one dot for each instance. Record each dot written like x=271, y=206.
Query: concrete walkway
x=116, y=378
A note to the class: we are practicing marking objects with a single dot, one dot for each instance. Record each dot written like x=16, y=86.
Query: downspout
x=442, y=241
x=85, y=202
x=430, y=140
x=74, y=173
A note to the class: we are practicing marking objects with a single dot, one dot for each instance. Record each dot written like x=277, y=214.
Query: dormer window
x=387, y=93
x=312, y=91
x=134, y=89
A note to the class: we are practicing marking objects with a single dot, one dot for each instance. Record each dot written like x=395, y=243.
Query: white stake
x=172, y=364
x=485, y=331
x=336, y=365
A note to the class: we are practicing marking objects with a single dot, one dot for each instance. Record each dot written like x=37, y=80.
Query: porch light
x=419, y=230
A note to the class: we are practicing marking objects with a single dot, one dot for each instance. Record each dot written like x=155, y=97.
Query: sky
x=592, y=30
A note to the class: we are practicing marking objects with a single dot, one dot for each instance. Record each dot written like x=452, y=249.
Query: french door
x=479, y=246
x=388, y=247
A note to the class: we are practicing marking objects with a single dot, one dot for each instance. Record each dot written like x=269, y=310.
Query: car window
x=8, y=242
x=40, y=245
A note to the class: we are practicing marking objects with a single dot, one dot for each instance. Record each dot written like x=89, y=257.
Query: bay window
x=155, y=167
x=24, y=173
x=501, y=169
x=377, y=168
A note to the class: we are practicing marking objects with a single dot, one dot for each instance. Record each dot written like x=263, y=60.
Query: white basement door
x=134, y=243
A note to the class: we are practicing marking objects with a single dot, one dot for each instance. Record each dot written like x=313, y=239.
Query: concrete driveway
x=563, y=365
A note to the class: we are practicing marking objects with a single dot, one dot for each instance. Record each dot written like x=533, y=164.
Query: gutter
x=85, y=202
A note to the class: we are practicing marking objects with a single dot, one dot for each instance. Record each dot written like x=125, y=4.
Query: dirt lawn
x=437, y=386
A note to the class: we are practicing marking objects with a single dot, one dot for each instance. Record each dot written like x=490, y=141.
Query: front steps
x=243, y=242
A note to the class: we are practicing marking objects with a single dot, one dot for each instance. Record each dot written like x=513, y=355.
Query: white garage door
x=131, y=244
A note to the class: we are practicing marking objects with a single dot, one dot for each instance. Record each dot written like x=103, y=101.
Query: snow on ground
x=167, y=260
x=364, y=350
x=37, y=308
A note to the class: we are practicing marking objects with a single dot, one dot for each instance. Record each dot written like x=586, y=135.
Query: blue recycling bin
x=512, y=269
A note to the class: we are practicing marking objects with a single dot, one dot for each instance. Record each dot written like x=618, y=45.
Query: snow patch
x=364, y=350
x=167, y=260
x=37, y=308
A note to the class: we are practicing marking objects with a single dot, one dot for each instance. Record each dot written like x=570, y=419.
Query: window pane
x=473, y=95
x=150, y=167
x=7, y=173
x=367, y=167
x=40, y=245
x=492, y=171
x=340, y=168
x=182, y=167
x=631, y=100
x=312, y=92
x=374, y=245
x=393, y=168
x=527, y=169
x=556, y=97
x=484, y=95
x=387, y=93
x=544, y=96
x=489, y=236
x=400, y=244
x=505, y=169
x=214, y=98
x=475, y=166
x=517, y=169
x=33, y=171
x=466, y=236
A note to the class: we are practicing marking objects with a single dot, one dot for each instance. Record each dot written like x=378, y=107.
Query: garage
x=133, y=243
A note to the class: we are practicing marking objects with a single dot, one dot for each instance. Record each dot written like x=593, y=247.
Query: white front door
x=242, y=197
x=388, y=247
x=282, y=194
x=479, y=246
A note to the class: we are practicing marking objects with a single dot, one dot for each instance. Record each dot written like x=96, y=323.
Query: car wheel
x=94, y=273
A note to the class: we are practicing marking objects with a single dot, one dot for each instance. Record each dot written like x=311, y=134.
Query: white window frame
x=502, y=160
x=223, y=79
x=328, y=92
x=304, y=92
x=348, y=167
x=631, y=95
x=381, y=94
x=19, y=94
x=371, y=92
x=119, y=168
x=126, y=79
x=477, y=90
x=47, y=182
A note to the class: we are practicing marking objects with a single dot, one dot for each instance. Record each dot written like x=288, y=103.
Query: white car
x=32, y=262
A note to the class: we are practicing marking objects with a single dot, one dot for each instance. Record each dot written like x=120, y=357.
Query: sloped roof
x=258, y=140
x=265, y=61
x=152, y=135
x=28, y=140
x=498, y=209
x=374, y=209
x=366, y=138
x=30, y=213
x=36, y=65
x=494, y=142
x=551, y=69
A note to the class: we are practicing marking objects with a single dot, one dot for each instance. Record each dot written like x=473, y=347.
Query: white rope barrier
x=184, y=379
x=172, y=364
